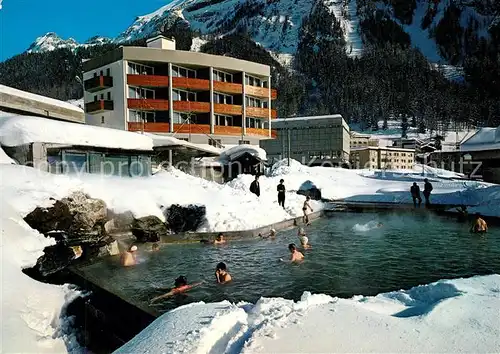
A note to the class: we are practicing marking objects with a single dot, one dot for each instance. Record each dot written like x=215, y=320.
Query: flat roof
x=306, y=121
x=22, y=101
x=295, y=119
x=156, y=55
x=381, y=148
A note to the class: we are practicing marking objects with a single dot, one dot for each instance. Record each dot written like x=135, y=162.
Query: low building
x=25, y=103
x=382, y=158
x=202, y=98
x=318, y=140
x=243, y=159
x=362, y=140
x=70, y=148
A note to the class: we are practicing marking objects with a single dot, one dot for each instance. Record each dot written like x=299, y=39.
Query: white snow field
x=449, y=316
x=30, y=310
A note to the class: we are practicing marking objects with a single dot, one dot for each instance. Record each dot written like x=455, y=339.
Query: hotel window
x=215, y=142
x=109, y=96
x=139, y=69
x=178, y=71
x=223, y=120
x=108, y=72
x=223, y=99
x=181, y=95
x=254, y=123
x=140, y=92
x=141, y=116
x=222, y=76
x=253, y=81
x=254, y=102
x=180, y=118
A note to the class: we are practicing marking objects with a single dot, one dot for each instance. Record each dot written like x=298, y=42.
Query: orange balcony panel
x=149, y=127
x=228, y=109
x=228, y=87
x=257, y=91
x=190, y=84
x=257, y=132
x=274, y=94
x=147, y=80
x=99, y=106
x=192, y=128
x=224, y=130
x=260, y=112
x=190, y=106
x=274, y=133
x=147, y=104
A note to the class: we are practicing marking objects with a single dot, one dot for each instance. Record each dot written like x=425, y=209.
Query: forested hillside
x=391, y=79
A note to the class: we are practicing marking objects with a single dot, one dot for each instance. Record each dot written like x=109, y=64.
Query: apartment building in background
x=388, y=158
x=198, y=97
x=362, y=140
x=317, y=140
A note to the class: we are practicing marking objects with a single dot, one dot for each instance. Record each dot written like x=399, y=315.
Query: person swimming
x=155, y=247
x=219, y=239
x=221, y=274
x=304, y=240
x=129, y=258
x=296, y=256
x=180, y=286
x=480, y=226
x=305, y=218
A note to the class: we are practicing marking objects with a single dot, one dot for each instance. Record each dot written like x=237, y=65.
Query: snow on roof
x=388, y=148
x=234, y=152
x=484, y=139
x=165, y=140
x=42, y=99
x=19, y=130
x=295, y=119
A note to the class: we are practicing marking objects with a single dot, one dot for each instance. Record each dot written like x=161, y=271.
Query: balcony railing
x=262, y=92
x=99, y=106
x=191, y=84
x=260, y=112
x=228, y=87
x=227, y=109
x=147, y=80
x=197, y=129
x=98, y=83
x=190, y=106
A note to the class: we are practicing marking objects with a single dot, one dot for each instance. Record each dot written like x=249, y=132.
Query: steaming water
x=348, y=258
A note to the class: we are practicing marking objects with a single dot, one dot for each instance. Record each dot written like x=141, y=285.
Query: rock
x=76, y=215
x=309, y=189
x=149, y=229
x=110, y=249
x=55, y=258
x=118, y=223
x=185, y=218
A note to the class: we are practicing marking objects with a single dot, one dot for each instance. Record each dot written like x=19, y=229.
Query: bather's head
x=282, y=181
x=155, y=247
x=272, y=232
x=221, y=268
x=426, y=180
x=180, y=281
x=415, y=183
x=132, y=248
x=220, y=237
x=292, y=248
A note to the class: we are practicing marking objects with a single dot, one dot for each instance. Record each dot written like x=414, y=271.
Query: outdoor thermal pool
x=350, y=256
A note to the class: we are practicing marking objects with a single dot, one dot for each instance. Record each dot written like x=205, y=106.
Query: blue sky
x=22, y=21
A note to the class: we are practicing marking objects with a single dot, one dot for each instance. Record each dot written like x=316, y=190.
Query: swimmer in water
x=180, y=286
x=155, y=247
x=129, y=258
x=480, y=226
x=220, y=239
x=272, y=233
x=379, y=225
x=304, y=240
x=296, y=256
x=221, y=274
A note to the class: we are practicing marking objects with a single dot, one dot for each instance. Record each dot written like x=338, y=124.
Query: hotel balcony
x=99, y=106
x=261, y=92
x=147, y=80
x=260, y=112
x=98, y=83
x=198, y=129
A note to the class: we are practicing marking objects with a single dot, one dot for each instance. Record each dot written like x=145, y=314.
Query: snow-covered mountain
x=275, y=24
x=52, y=41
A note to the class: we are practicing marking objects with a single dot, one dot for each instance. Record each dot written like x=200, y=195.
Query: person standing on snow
x=255, y=186
x=281, y=193
x=427, y=191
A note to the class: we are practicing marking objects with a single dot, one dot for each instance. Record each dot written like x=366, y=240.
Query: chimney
x=161, y=42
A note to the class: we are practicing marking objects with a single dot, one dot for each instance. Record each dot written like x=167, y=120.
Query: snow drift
x=449, y=316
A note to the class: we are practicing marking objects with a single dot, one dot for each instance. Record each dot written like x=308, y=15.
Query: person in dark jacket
x=415, y=194
x=427, y=191
x=281, y=193
x=255, y=186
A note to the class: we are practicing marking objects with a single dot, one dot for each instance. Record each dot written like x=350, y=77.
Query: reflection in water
x=410, y=249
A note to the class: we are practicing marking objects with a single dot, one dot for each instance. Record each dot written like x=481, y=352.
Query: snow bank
x=234, y=152
x=4, y=158
x=484, y=139
x=449, y=316
x=18, y=130
x=38, y=98
x=31, y=310
x=164, y=140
